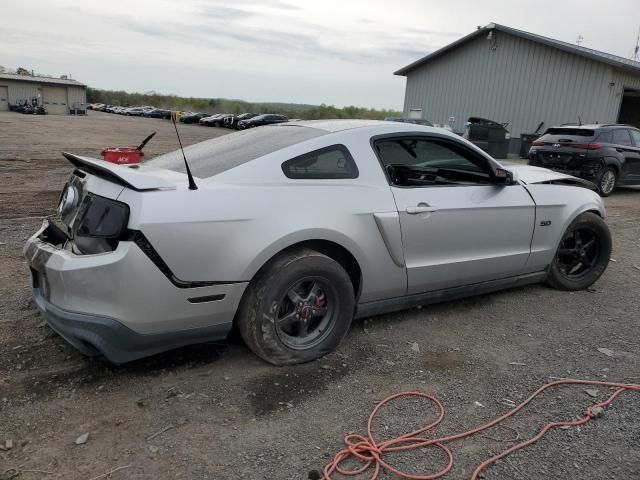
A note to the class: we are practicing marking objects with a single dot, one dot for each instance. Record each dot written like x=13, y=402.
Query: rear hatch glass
x=568, y=135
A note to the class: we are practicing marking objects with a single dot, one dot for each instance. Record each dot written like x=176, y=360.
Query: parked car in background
x=608, y=155
x=259, y=120
x=232, y=122
x=225, y=119
x=213, y=120
x=193, y=117
x=157, y=113
x=362, y=218
x=138, y=111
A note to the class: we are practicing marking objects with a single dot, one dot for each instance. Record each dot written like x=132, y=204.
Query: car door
x=621, y=139
x=460, y=229
x=634, y=158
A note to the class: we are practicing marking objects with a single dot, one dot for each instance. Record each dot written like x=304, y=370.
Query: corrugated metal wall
x=21, y=90
x=520, y=82
x=77, y=96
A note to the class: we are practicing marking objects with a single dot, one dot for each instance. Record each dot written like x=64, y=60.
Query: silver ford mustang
x=288, y=232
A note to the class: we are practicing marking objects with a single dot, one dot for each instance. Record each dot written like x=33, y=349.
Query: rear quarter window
x=604, y=137
x=334, y=162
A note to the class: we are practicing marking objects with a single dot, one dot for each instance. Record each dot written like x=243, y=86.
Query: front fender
x=556, y=207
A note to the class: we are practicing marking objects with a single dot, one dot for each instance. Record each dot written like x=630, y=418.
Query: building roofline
x=44, y=80
x=596, y=55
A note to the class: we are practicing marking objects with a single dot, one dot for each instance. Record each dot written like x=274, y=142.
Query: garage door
x=4, y=98
x=55, y=100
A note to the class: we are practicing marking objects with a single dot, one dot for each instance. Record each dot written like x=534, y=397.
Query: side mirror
x=504, y=177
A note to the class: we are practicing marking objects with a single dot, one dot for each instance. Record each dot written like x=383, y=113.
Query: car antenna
x=192, y=183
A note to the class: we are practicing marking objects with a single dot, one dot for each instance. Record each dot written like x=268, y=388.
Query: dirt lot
x=224, y=414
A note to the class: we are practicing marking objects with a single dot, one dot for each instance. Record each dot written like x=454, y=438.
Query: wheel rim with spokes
x=578, y=253
x=306, y=313
x=608, y=182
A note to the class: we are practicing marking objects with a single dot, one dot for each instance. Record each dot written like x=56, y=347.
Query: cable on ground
x=372, y=453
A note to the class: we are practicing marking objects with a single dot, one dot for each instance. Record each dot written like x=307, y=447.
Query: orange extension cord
x=370, y=452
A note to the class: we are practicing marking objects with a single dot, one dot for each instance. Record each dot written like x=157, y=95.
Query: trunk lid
x=137, y=176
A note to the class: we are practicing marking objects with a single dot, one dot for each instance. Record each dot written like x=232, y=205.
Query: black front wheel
x=583, y=254
x=298, y=308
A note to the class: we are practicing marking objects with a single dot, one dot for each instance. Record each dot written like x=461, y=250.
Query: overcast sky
x=340, y=52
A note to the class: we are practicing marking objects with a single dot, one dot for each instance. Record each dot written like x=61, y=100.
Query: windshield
x=217, y=155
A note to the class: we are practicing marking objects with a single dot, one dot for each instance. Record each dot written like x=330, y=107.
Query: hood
x=137, y=176
x=530, y=175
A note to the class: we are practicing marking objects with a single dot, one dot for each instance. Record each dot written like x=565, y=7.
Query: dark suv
x=608, y=155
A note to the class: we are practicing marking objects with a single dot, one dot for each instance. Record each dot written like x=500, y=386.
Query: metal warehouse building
x=509, y=75
x=59, y=96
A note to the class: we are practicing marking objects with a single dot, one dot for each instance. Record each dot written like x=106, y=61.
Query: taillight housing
x=537, y=143
x=99, y=225
x=586, y=146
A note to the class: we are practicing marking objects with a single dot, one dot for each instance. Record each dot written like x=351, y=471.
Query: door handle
x=421, y=208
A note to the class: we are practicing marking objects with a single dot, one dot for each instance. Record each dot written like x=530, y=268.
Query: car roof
x=373, y=126
x=592, y=126
x=338, y=125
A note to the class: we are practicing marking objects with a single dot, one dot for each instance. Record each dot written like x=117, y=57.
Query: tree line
x=224, y=105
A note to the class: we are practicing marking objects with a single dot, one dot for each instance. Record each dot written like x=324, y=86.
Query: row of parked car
x=228, y=120
x=145, y=111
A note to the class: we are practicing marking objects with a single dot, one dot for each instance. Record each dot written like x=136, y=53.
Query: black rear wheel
x=298, y=308
x=583, y=254
x=607, y=181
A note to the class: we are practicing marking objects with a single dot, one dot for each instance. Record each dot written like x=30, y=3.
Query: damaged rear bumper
x=96, y=335
x=119, y=304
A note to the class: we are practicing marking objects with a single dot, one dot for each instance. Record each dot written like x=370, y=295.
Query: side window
x=621, y=137
x=636, y=137
x=334, y=162
x=422, y=162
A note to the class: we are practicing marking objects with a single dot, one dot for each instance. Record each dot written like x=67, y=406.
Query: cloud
x=222, y=13
x=426, y=31
x=283, y=43
x=273, y=4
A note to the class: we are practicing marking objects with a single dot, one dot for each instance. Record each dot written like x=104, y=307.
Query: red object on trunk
x=122, y=155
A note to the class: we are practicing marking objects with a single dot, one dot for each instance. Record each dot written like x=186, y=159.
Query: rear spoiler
x=119, y=174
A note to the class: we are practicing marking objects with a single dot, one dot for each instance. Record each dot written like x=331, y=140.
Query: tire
x=267, y=304
x=607, y=180
x=587, y=228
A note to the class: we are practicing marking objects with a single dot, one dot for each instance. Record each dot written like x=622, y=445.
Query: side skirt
x=388, y=305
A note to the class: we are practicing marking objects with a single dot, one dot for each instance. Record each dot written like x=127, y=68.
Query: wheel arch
x=613, y=162
x=337, y=249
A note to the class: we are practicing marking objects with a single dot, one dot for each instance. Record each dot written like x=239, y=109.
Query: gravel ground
x=217, y=412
